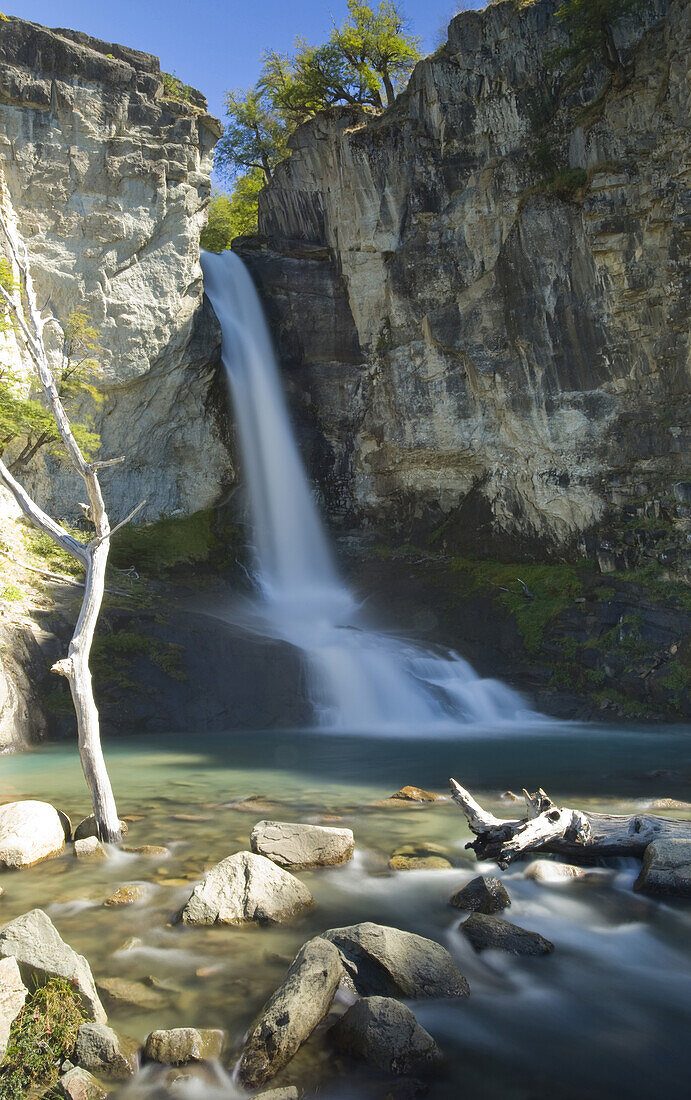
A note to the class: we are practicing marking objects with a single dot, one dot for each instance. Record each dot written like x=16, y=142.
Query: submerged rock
x=79, y=1084
x=485, y=931
x=102, y=1051
x=129, y=894
x=297, y=846
x=419, y=857
x=29, y=832
x=13, y=993
x=289, y=1017
x=289, y=1093
x=666, y=869
x=484, y=894
x=244, y=888
x=179, y=1045
x=41, y=953
x=152, y=850
x=416, y=794
x=547, y=870
x=127, y=991
x=87, y=827
x=90, y=849
x=384, y=961
x=385, y=1033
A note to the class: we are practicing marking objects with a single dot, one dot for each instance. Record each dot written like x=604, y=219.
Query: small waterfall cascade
x=360, y=680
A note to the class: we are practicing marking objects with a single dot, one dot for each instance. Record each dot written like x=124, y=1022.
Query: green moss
x=628, y=707
x=42, y=1036
x=112, y=656
x=154, y=548
x=604, y=593
x=173, y=88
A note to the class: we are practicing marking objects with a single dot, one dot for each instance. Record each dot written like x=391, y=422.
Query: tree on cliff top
x=590, y=24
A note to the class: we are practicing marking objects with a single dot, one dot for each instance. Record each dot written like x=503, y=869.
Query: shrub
x=42, y=1036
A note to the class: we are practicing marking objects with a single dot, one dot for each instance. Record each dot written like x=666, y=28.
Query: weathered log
x=569, y=832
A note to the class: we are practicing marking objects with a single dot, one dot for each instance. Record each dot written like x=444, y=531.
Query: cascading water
x=360, y=680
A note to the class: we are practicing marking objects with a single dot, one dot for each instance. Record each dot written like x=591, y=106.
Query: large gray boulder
x=386, y=962
x=13, y=993
x=289, y=1017
x=243, y=888
x=666, y=869
x=41, y=953
x=29, y=832
x=102, y=1051
x=297, y=846
x=178, y=1046
x=485, y=931
x=483, y=894
x=386, y=1034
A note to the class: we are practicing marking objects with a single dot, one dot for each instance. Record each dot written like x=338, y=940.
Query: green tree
x=255, y=135
x=377, y=44
x=233, y=215
x=590, y=24
x=314, y=79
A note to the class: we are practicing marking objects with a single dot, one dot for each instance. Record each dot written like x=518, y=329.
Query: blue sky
x=217, y=44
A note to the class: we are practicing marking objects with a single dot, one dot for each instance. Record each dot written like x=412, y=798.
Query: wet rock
x=29, y=832
x=134, y=994
x=179, y=1045
x=484, y=894
x=41, y=953
x=90, y=849
x=419, y=857
x=290, y=1093
x=79, y=1084
x=385, y=1033
x=416, y=794
x=666, y=869
x=297, y=846
x=670, y=804
x=485, y=931
x=547, y=870
x=102, y=1051
x=87, y=827
x=151, y=850
x=243, y=888
x=129, y=894
x=13, y=993
x=383, y=961
x=289, y=1017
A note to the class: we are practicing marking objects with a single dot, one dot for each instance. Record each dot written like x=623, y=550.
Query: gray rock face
x=13, y=993
x=386, y=1034
x=180, y=1045
x=41, y=953
x=79, y=1084
x=246, y=888
x=297, y=846
x=382, y=961
x=102, y=1051
x=470, y=340
x=485, y=931
x=484, y=894
x=290, y=1016
x=29, y=832
x=666, y=869
x=109, y=180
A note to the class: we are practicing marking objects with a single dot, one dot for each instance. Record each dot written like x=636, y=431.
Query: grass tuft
x=42, y=1036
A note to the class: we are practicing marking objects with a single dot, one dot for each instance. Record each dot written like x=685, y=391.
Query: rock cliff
x=108, y=177
x=481, y=296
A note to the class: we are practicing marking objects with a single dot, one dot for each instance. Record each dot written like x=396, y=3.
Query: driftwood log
x=545, y=827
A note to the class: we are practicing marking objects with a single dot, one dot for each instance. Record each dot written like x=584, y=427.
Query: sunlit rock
x=383, y=961
x=29, y=832
x=297, y=846
x=246, y=888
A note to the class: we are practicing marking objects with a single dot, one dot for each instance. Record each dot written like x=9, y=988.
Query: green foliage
x=377, y=45
x=42, y=1036
x=567, y=184
x=54, y=557
x=112, y=655
x=590, y=24
x=173, y=88
x=255, y=137
x=233, y=215
x=157, y=547
x=11, y=593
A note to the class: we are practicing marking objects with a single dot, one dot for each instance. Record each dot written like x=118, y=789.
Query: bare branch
x=103, y=462
x=122, y=523
x=41, y=519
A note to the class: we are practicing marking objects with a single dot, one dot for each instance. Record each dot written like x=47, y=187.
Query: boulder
x=13, y=993
x=129, y=894
x=484, y=894
x=79, y=1084
x=90, y=849
x=485, y=931
x=416, y=794
x=243, y=888
x=419, y=857
x=179, y=1045
x=29, y=832
x=102, y=1051
x=41, y=953
x=296, y=846
x=666, y=869
x=87, y=827
x=383, y=961
x=547, y=870
x=289, y=1017
x=132, y=993
x=386, y=1034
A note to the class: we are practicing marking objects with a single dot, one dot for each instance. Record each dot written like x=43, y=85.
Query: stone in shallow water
x=419, y=857
x=29, y=832
x=385, y=1033
x=179, y=1045
x=296, y=846
x=90, y=849
x=483, y=894
x=41, y=953
x=547, y=870
x=13, y=993
x=152, y=850
x=387, y=962
x=79, y=1084
x=416, y=794
x=246, y=888
x=485, y=932
x=666, y=869
x=101, y=1050
x=87, y=827
x=291, y=1014
x=129, y=894
x=135, y=994
x=290, y=1093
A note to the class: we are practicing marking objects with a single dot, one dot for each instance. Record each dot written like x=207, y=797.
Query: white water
x=360, y=680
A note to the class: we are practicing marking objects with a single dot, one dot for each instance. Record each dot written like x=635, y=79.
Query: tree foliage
x=235, y=215
x=590, y=24
x=255, y=136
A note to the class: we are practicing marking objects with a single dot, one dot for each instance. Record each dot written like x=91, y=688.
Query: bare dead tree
x=92, y=555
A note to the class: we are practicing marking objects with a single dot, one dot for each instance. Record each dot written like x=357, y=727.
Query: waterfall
x=360, y=680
